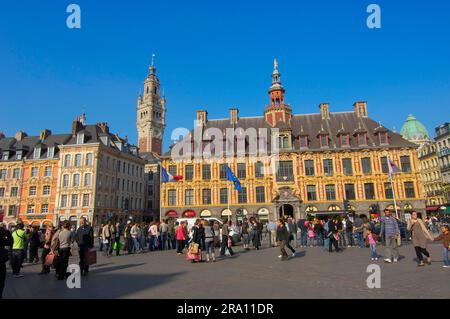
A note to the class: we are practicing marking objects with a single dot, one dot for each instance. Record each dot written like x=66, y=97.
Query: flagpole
x=393, y=188
x=160, y=192
x=228, y=200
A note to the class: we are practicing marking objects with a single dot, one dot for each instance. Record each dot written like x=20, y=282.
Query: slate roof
x=311, y=124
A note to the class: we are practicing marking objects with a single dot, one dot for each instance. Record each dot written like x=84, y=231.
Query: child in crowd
x=372, y=240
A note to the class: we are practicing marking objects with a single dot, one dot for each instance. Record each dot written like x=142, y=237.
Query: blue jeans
x=360, y=238
x=319, y=238
x=304, y=238
x=350, y=238
x=163, y=241
x=326, y=243
x=373, y=251
x=136, y=246
x=445, y=255
x=210, y=248
x=153, y=241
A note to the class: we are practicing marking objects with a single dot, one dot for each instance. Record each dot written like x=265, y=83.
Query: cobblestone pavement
x=249, y=274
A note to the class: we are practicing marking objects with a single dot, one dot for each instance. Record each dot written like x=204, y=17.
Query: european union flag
x=234, y=179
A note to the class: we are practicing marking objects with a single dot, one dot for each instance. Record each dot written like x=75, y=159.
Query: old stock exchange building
x=324, y=158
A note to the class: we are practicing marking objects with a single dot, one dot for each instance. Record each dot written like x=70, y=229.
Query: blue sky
x=219, y=54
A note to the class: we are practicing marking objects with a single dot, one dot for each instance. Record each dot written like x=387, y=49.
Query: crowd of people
x=208, y=239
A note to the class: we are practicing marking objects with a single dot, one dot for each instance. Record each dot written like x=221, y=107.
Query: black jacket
x=282, y=234
x=198, y=235
x=85, y=236
x=5, y=240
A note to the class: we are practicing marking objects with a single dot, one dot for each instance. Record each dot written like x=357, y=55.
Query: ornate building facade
x=323, y=159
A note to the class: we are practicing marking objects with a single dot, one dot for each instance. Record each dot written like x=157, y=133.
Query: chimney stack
x=20, y=135
x=360, y=109
x=202, y=117
x=76, y=126
x=44, y=134
x=104, y=127
x=325, y=111
x=234, y=116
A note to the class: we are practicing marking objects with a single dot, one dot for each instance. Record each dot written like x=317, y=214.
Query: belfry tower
x=277, y=110
x=151, y=114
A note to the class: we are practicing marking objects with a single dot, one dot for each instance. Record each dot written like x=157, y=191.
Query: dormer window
x=304, y=142
x=362, y=138
x=345, y=140
x=5, y=156
x=324, y=140
x=284, y=141
x=19, y=155
x=51, y=152
x=37, y=153
x=383, y=138
x=80, y=138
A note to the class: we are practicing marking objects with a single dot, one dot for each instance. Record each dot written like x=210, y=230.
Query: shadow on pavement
x=120, y=267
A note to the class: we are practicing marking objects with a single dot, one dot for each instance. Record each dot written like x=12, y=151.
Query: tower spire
x=152, y=68
x=277, y=111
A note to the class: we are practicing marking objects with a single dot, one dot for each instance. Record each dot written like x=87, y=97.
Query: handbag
x=49, y=259
x=90, y=257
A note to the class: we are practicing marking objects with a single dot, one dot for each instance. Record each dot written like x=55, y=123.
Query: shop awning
x=433, y=208
x=205, y=213
x=172, y=214
x=189, y=214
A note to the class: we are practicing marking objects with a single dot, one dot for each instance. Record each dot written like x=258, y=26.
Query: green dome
x=413, y=130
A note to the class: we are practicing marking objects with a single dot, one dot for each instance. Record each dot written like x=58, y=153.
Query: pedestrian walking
x=65, y=239
x=445, y=238
x=34, y=244
x=6, y=240
x=163, y=230
x=136, y=233
x=171, y=235
x=272, y=230
x=420, y=237
x=106, y=235
x=19, y=237
x=333, y=236
x=255, y=232
x=99, y=236
x=225, y=245
x=390, y=232
x=359, y=231
x=127, y=238
x=117, y=235
x=85, y=241
x=209, y=241
x=301, y=224
x=372, y=241
x=349, y=232
x=292, y=231
x=282, y=238
x=153, y=232
x=46, y=250
x=198, y=238
x=245, y=228
x=181, y=237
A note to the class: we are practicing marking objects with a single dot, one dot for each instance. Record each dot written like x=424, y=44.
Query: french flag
x=167, y=178
x=393, y=169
